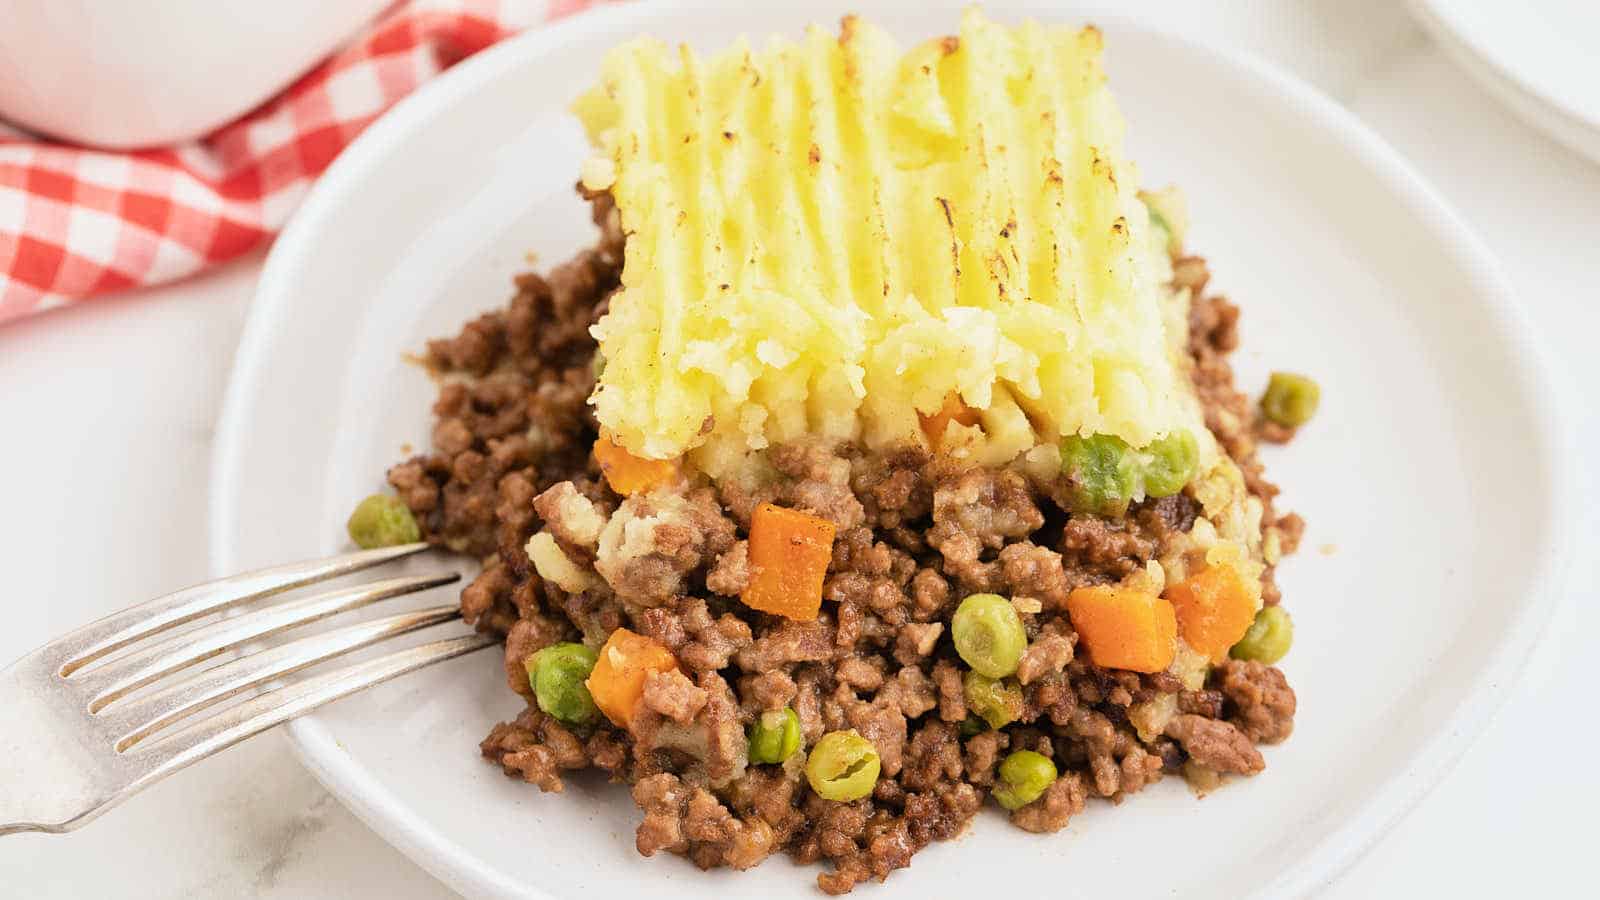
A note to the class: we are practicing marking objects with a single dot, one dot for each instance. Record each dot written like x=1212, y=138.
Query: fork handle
x=45, y=784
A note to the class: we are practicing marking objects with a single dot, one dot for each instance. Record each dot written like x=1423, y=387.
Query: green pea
x=382, y=520
x=557, y=674
x=971, y=725
x=842, y=766
x=1173, y=461
x=774, y=736
x=1024, y=775
x=1101, y=473
x=1291, y=400
x=995, y=701
x=988, y=634
x=1268, y=638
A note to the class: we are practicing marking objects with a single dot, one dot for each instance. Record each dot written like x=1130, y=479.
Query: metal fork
x=77, y=738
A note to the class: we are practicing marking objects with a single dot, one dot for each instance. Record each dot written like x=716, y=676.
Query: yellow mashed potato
x=828, y=237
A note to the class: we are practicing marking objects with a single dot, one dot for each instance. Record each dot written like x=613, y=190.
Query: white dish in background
x=111, y=73
x=1537, y=56
x=1435, y=430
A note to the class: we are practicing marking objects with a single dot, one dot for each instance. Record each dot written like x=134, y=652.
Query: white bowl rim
x=459, y=867
x=1573, y=127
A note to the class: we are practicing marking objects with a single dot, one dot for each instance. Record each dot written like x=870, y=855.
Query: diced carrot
x=1124, y=628
x=617, y=681
x=953, y=410
x=1214, y=609
x=628, y=474
x=789, y=555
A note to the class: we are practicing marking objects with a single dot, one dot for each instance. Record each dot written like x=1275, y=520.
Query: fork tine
x=119, y=677
x=142, y=717
x=118, y=630
x=190, y=745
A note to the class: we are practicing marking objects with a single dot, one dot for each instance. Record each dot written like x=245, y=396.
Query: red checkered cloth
x=76, y=222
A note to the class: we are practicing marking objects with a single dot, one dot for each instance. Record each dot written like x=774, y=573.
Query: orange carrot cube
x=1214, y=609
x=617, y=681
x=953, y=410
x=628, y=474
x=1124, y=628
x=789, y=556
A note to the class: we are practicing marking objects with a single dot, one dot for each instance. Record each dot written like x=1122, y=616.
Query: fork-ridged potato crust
x=827, y=237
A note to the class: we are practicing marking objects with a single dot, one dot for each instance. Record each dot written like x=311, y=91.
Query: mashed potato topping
x=831, y=236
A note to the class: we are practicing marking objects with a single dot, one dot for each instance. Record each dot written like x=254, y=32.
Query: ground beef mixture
x=914, y=535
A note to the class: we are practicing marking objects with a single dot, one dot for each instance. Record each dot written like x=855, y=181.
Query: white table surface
x=110, y=410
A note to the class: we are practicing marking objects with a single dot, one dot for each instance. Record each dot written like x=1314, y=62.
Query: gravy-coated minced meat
x=914, y=535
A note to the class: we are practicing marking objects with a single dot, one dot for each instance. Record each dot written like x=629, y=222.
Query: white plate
x=1537, y=56
x=1431, y=478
